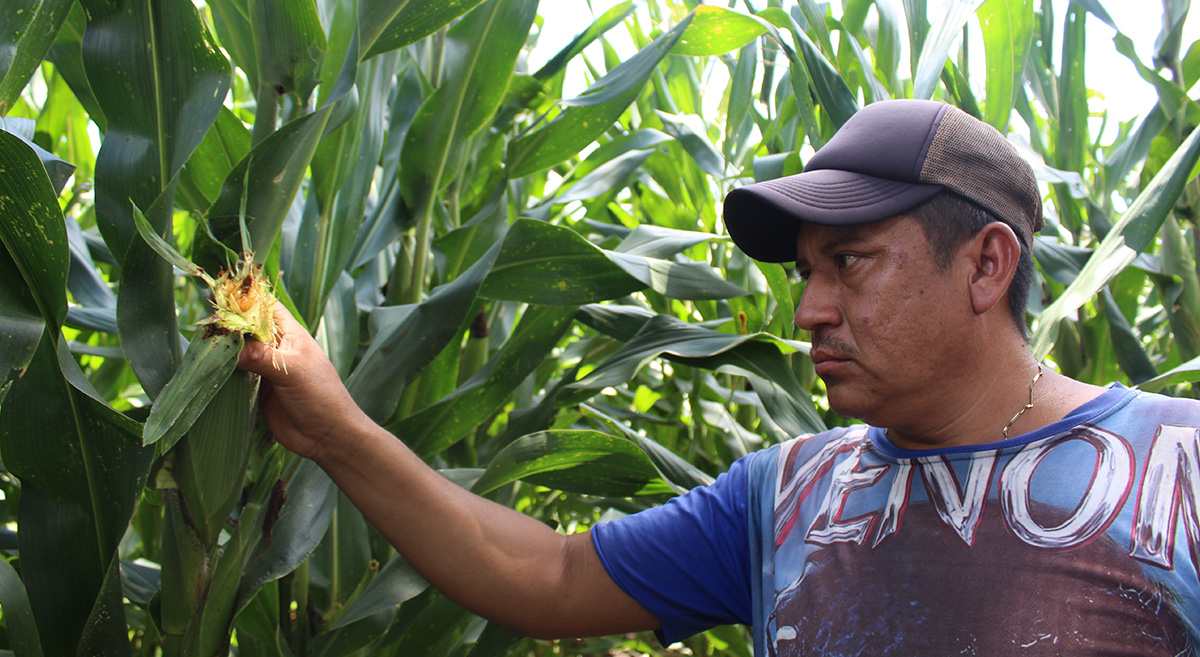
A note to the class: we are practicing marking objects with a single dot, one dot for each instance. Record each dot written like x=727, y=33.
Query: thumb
x=270, y=359
x=256, y=357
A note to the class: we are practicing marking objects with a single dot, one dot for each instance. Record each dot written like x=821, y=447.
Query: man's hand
x=304, y=401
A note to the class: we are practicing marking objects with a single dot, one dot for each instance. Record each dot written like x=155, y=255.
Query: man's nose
x=818, y=306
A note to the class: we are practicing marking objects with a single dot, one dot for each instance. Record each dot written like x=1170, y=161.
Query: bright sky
x=1125, y=94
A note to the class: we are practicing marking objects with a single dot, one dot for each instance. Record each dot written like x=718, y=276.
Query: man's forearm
x=490, y=559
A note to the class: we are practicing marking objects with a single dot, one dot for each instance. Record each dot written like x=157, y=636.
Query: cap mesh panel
x=972, y=159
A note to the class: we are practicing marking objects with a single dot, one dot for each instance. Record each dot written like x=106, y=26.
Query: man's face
x=887, y=326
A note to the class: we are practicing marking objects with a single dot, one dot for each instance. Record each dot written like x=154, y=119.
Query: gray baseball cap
x=888, y=158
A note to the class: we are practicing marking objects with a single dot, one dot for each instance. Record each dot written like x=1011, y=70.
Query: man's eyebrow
x=838, y=241
x=842, y=239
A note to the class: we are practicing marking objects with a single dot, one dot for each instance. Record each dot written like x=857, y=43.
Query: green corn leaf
x=873, y=89
x=715, y=30
x=289, y=44
x=586, y=117
x=680, y=475
x=677, y=280
x=210, y=359
x=408, y=338
x=160, y=80
x=146, y=316
x=166, y=251
x=946, y=30
x=757, y=356
x=67, y=56
x=225, y=144
x=433, y=628
x=396, y=584
x=437, y=427
x=387, y=25
x=606, y=22
x=836, y=98
x=545, y=264
x=494, y=641
x=646, y=139
x=260, y=620
x=84, y=281
x=741, y=98
x=1132, y=234
x=1007, y=27
x=1188, y=372
x=268, y=177
x=276, y=167
x=18, y=615
x=21, y=323
x=480, y=51
x=34, y=263
x=887, y=48
x=57, y=169
x=612, y=176
x=302, y=522
x=231, y=21
x=1128, y=349
x=585, y=462
x=1135, y=148
x=381, y=226
x=1072, y=98
x=1183, y=309
x=616, y=320
x=689, y=132
x=1170, y=96
x=82, y=468
x=27, y=30
x=783, y=322
x=33, y=231
x=343, y=172
x=658, y=242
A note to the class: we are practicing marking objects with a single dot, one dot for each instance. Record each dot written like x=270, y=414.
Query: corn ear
x=242, y=295
x=209, y=464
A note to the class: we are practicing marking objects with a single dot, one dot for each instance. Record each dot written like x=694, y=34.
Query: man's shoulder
x=1162, y=407
x=854, y=432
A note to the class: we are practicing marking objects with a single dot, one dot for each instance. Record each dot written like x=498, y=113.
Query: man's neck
x=978, y=412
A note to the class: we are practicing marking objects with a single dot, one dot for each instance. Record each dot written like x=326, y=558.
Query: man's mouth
x=827, y=362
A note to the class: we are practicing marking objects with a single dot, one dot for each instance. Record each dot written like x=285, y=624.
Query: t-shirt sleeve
x=687, y=561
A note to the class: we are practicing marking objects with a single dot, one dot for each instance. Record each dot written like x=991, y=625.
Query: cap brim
x=764, y=218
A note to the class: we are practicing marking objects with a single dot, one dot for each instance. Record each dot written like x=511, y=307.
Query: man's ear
x=993, y=253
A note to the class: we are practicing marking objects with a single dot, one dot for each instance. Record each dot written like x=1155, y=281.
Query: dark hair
x=949, y=220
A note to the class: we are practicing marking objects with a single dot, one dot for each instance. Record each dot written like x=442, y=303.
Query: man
x=989, y=506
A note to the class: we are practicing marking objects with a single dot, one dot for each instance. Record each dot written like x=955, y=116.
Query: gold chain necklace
x=1027, y=406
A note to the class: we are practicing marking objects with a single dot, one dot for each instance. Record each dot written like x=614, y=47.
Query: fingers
x=269, y=360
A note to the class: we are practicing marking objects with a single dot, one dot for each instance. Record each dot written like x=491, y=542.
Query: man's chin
x=844, y=401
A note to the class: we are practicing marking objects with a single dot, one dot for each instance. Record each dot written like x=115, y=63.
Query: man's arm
x=490, y=559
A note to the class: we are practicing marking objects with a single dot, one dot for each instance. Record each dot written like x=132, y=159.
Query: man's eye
x=804, y=274
x=846, y=259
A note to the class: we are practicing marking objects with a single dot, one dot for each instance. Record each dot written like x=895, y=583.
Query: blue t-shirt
x=1082, y=537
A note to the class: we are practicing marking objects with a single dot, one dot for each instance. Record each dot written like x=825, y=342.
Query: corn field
x=519, y=271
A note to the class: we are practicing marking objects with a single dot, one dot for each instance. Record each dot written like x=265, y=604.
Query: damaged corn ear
x=242, y=295
x=245, y=303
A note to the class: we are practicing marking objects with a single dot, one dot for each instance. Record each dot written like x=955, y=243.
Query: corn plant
x=528, y=286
